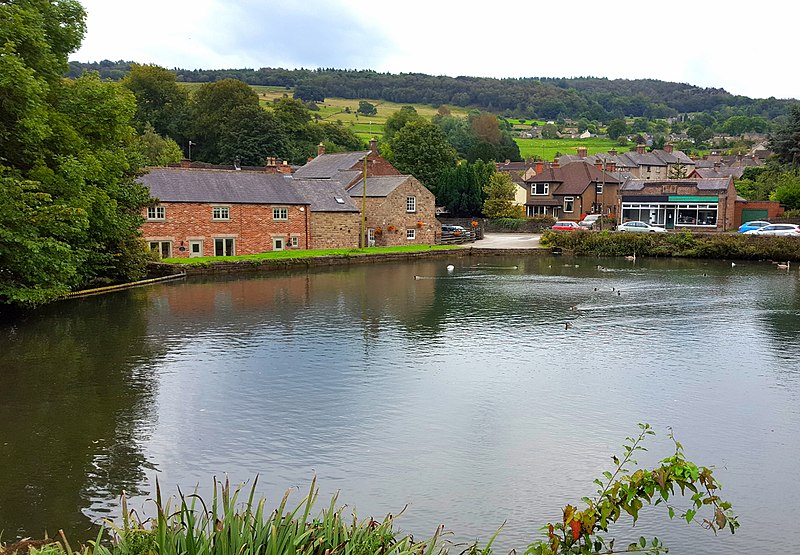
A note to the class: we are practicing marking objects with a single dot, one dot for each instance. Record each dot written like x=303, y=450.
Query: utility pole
x=364, y=207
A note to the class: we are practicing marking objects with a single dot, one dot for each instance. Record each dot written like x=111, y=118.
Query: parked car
x=776, y=229
x=455, y=230
x=749, y=226
x=566, y=226
x=640, y=227
x=590, y=221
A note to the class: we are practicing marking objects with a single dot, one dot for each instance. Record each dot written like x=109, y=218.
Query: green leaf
x=690, y=515
x=671, y=512
x=642, y=541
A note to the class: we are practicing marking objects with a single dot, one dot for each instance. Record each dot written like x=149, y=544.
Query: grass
x=547, y=149
x=318, y=253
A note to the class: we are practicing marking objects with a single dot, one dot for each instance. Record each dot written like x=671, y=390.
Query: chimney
x=186, y=163
x=640, y=149
x=373, y=145
x=611, y=166
x=555, y=165
x=612, y=152
x=668, y=148
x=539, y=167
x=271, y=165
x=583, y=151
x=598, y=163
x=717, y=165
x=285, y=168
x=320, y=149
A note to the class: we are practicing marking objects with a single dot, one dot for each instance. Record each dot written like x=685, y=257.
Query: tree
x=785, y=142
x=211, y=107
x=421, y=149
x=157, y=150
x=677, y=171
x=788, y=190
x=309, y=93
x=617, y=128
x=549, y=131
x=500, y=194
x=460, y=188
x=398, y=120
x=366, y=108
x=160, y=101
x=68, y=160
x=251, y=134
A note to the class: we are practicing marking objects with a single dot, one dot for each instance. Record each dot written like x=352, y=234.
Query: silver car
x=776, y=229
x=640, y=227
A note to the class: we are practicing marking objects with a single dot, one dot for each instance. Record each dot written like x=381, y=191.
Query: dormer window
x=538, y=189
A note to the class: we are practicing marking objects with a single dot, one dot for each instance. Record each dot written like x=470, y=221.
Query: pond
x=492, y=393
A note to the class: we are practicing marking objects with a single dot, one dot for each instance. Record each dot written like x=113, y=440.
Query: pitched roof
x=574, y=178
x=324, y=195
x=722, y=171
x=713, y=184
x=378, y=186
x=326, y=166
x=236, y=187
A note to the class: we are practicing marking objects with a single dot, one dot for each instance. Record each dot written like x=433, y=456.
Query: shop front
x=672, y=211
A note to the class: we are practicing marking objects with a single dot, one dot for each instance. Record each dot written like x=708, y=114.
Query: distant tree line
x=593, y=98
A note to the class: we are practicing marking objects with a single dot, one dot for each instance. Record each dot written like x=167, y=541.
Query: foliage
x=460, y=189
x=787, y=191
x=623, y=490
x=160, y=101
x=785, y=142
x=677, y=171
x=212, y=106
x=500, y=197
x=398, y=120
x=366, y=108
x=617, y=128
x=251, y=134
x=309, y=93
x=157, y=150
x=421, y=149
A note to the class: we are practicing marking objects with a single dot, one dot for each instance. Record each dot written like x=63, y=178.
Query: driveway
x=509, y=241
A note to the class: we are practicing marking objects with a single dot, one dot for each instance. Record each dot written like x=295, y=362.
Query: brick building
x=223, y=213
x=572, y=191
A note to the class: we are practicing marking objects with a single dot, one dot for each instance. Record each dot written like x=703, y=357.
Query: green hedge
x=682, y=244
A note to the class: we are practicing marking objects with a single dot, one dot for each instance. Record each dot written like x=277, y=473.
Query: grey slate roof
x=326, y=166
x=323, y=195
x=378, y=186
x=714, y=184
x=209, y=186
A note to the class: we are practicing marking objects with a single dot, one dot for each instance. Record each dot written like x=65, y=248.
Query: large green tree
x=500, y=198
x=212, y=105
x=461, y=189
x=68, y=160
x=785, y=142
x=160, y=101
x=421, y=149
x=398, y=120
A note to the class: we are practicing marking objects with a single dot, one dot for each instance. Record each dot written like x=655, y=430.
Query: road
x=509, y=241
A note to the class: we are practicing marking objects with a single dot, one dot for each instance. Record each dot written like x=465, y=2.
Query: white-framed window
x=156, y=213
x=411, y=234
x=538, y=189
x=224, y=246
x=293, y=242
x=280, y=213
x=569, y=204
x=371, y=237
x=536, y=211
x=220, y=213
x=599, y=188
x=411, y=204
x=163, y=248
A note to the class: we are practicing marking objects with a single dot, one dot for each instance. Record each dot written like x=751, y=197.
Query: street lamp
x=190, y=149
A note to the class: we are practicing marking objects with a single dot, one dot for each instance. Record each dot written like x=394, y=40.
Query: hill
x=596, y=99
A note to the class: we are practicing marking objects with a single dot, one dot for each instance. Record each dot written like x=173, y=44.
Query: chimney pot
x=555, y=165
x=320, y=149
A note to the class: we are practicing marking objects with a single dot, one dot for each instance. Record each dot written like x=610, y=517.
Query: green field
x=548, y=149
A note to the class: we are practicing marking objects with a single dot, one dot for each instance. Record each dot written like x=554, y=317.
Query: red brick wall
x=773, y=207
x=251, y=225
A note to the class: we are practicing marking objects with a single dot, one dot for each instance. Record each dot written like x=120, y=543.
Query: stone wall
x=390, y=216
x=335, y=230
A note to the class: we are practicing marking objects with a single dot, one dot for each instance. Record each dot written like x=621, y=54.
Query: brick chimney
x=373, y=145
x=668, y=148
x=539, y=168
x=583, y=151
x=612, y=152
x=640, y=149
x=186, y=163
x=598, y=163
x=555, y=165
x=611, y=166
x=285, y=168
x=320, y=149
x=271, y=165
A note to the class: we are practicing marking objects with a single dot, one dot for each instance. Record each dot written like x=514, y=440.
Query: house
x=335, y=220
x=519, y=172
x=657, y=164
x=399, y=210
x=210, y=212
x=571, y=191
x=697, y=204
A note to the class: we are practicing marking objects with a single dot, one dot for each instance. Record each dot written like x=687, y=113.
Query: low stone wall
x=256, y=266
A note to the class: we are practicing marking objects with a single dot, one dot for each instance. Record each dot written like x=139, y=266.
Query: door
x=670, y=218
x=370, y=237
x=750, y=214
x=224, y=246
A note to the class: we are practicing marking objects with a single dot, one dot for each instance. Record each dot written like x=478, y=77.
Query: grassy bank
x=313, y=253
x=730, y=246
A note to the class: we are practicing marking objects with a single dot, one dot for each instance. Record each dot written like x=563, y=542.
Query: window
x=195, y=249
x=224, y=246
x=411, y=204
x=599, y=188
x=280, y=213
x=293, y=242
x=411, y=234
x=163, y=248
x=536, y=211
x=371, y=237
x=156, y=213
x=278, y=243
x=540, y=189
x=569, y=204
x=220, y=213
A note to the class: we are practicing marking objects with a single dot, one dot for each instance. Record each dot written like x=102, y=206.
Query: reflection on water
x=494, y=392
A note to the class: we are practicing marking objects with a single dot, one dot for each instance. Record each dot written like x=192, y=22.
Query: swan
x=450, y=267
x=784, y=266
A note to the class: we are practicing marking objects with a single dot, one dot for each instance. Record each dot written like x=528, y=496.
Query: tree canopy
x=421, y=149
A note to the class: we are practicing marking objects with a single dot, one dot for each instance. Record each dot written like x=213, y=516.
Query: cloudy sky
x=745, y=48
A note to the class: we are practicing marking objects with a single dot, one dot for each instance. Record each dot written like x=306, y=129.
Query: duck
x=631, y=257
x=450, y=267
x=784, y=266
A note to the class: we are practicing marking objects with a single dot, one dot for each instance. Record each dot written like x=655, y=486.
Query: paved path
x=508, y=241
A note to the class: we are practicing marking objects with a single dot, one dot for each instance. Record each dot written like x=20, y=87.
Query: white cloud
x=708, y=44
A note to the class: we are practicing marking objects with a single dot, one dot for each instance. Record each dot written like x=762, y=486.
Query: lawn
x=548, y=149
x=295, y=254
